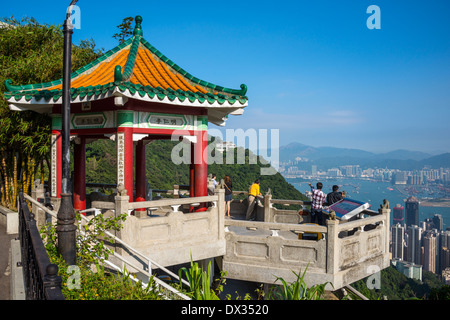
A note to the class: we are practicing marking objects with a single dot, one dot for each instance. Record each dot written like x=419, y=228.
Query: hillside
x=396, y=286
x=162, y=173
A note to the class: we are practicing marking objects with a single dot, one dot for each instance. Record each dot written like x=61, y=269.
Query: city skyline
x=314, y=71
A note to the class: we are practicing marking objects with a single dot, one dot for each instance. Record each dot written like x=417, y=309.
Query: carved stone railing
x=170, y=230
x=286, y=215
x=347, y=252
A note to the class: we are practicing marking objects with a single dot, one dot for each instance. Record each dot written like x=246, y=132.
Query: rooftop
x=134, y=69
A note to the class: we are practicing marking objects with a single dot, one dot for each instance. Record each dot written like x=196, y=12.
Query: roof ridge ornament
x=138, y=28
x=118, y=74
x=244, y=89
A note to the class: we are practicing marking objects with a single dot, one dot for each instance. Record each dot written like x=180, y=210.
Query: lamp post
x=66, y=228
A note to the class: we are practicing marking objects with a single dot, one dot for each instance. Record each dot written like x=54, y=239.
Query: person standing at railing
x=318, y=198
x=228, y=195
x=334, y=196
x=253, y=193
x=214, y=181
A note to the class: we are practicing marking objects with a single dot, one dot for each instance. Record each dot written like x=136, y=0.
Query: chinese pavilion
x=132, y=94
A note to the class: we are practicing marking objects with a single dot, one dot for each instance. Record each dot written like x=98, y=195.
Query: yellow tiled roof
x=101, y=75
x=150, y=72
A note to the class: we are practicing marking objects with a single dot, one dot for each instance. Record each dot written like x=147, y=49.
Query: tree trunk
x=6, y=181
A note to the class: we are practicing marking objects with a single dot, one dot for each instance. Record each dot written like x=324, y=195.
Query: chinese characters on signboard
x=166, y=121
x=121, y=158
x=54, y=159
x=96, y=121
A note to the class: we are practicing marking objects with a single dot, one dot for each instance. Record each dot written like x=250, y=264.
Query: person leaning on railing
x=252, y=194
x=334, y=196
x=318, y=198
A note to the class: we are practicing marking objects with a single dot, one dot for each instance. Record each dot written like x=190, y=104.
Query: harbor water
x=374, y=192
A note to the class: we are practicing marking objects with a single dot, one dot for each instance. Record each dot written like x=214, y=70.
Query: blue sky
x=313, y=68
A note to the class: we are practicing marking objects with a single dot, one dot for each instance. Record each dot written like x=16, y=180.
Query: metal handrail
x=40, y=275
x=151, y=262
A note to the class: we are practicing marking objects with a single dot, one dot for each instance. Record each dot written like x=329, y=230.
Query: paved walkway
x=5, y=268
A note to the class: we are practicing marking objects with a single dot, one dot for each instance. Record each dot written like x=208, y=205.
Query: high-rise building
x=414, y=244
x=398, y=215
x=443, y=258
x=411, y=270
x=438, y=222
x=429, y=252
x=412, y=212
x=398, y=241
x=427, y=224
x=399, y=177
x=314, y=170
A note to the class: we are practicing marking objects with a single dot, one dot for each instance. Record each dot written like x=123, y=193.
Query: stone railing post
x=384, y=210
x=121, y=206
x=38, y=193
x=333, y=247
x=268, y=207
x=221, y=211
x=176, y=191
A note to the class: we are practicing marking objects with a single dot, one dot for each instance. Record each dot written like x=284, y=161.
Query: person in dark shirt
x=334, y=196
x=228, y=195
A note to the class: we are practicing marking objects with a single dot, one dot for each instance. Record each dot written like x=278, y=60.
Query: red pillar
x=125, y=159
x=201, y=167
x=192, y=172
x=79, y=187
x=140, y=180
x=56, y=164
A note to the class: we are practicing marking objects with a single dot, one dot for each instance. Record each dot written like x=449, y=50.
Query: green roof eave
x=143, y=91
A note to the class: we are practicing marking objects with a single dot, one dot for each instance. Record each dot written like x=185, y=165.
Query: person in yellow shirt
x=252, y=194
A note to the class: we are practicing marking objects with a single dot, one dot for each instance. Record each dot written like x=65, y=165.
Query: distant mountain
x=293, y=150
x=404, y=155
x=442, y=160
x=328, y=157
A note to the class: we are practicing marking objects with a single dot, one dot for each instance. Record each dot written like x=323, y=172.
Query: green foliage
x=125, y=28
x=90, y=249
x=442, y=293
x=396, y=286
x=297, y=290
x=94, y=281
x=103, y=285
x=199, y=282
x=30, y=53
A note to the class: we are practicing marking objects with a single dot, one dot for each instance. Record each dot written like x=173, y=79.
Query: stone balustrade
x=347, y=252
x=170, y=231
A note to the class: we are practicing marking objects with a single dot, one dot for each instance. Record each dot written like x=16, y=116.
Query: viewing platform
x=134, y=95
x=275, y=245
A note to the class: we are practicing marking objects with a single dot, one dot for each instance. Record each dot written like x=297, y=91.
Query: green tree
x=29, y=53
x=125, y=28
x=442, y=293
